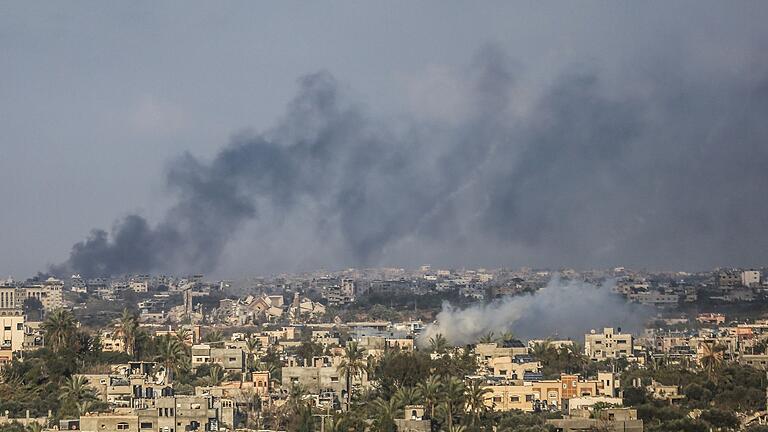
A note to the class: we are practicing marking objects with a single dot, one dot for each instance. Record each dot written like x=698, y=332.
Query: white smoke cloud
x=566, y=309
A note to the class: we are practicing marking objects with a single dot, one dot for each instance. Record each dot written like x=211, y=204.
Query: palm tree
x=34, y=427
x=407, y=396
x=60, y=327
x=85, y=406
x=475, y=397
x=487, y=338
x=430, y=390
x=453, y=398
x=215, y=376
x=182, y=335
x=351, y=366
x=127, y=328
x=251, y=345
x=171, y=353
x=76, y=391
x=295, y=396
x=438, y=344
x=507, y=336
x=539, y=350
x=576, y=355
x=385, y=412
x=214, y=336
x=711, y=358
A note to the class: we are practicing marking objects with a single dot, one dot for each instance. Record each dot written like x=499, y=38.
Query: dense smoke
x=654, y=171
x=565, y=309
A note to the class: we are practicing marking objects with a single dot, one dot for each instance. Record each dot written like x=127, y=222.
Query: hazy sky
x=295, y=135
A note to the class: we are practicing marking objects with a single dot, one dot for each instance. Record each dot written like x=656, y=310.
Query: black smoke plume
x=673, y=175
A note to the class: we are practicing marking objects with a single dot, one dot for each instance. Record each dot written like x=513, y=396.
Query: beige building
x=615, y=419
x=10, y=299
x=135, y=384
x=139, y=286
x=750, y=278
x=507, y=367
x=546, y=393
x=11, y=335
x=166, y=414
x=231, y=359
x=111, y=341
x=608, y=344
x=487, y=351
x=321, y=374
x=49, y=293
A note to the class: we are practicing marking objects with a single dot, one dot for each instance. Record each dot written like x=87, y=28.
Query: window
x=529, y=398
x=146, y=425
x=514, y=399
x=123, y=426
x=8, y=328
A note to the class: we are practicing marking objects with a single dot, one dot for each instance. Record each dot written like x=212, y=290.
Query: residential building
x=11, y=335
x=231, y=359
x=750, y=278
x=609, y=344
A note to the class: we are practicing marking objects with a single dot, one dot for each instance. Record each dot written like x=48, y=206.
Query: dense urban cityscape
x=364, y=349
x=383, y=216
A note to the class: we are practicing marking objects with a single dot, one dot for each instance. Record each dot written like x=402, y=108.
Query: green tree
x=76, y=393
x=384, y=414
x=351, y=366
x=60, y=328
x=171, y=354
x=431, y=390
x=213, y=336
x=438, y=344
x=407, y=396
x=475, y=394
x=711, y=358
x=127, y=326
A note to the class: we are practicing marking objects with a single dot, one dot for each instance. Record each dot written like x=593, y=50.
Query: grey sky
x=98, y=98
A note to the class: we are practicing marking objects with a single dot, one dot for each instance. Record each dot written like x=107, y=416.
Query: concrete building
x=49, y=293
x=10, y=300
x=166, y=414
x=131, y=385
x=231, y=359
x=413, y=420
x=750, y=278
x=11, y=335
x=487, y=351
x=545, y=394
x=729, y=279
x=609, y=344
x=139, y=286
x=320, y=375
x=616, y=419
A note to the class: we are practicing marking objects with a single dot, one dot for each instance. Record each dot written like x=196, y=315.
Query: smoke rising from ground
x=564, y=309
x=648, y=172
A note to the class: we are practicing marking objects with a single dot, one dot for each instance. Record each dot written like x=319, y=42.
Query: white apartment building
x=750, y=278
x=609, y=344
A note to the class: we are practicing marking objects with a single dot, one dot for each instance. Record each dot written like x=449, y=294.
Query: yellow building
x=11, y=335
x=546, y=393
